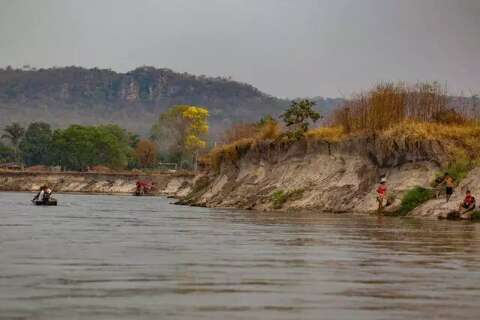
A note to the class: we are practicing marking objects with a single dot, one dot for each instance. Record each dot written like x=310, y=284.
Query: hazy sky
x=284, y=47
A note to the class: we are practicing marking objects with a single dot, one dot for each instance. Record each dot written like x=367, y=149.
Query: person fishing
x=41, y=194
x=468, y=204
x=44, y=197
x=382, y=193
x=47, y=194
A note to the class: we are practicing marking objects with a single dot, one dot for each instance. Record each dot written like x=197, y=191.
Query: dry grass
x=240, y=131
x=399, y=114
x=388, y=104
x=247, y=135
x=231, y=152
x=467, y=134
x=330, y=134
x=461, y=140
x=269, y=131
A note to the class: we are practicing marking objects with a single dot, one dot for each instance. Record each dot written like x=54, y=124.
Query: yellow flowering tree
x=197, y=129
x=182, y=130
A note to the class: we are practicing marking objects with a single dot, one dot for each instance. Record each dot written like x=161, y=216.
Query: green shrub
x=476, y=215
x=415, y=197
x=280, y=197
x=459, y=169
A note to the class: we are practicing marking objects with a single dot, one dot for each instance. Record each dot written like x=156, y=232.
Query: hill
x=62, y=96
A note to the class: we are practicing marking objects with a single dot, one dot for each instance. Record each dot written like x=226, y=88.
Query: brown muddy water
x=118, y=257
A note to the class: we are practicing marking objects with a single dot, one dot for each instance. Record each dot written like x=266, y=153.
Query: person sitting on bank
x=382, y=193
x=468, y=204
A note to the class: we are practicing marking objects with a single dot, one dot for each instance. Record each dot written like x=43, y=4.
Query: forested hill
x=134, y=99
x=62, y=96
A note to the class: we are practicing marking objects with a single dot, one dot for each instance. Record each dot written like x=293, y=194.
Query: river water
x=119, y=257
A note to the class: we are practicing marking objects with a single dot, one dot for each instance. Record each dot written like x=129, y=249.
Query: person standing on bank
x=382, y=193
x=449, y=185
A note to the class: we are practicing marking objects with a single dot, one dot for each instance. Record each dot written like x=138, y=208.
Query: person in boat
x=44, y=194
x=144, y=187
x=468, y=204
x=41, y=194
x=47, y=194
x=382, y=193
x=140, y=188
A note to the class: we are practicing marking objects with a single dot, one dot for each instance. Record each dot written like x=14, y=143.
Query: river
x=119, y=257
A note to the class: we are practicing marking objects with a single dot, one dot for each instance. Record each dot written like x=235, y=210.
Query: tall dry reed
x=391, y=103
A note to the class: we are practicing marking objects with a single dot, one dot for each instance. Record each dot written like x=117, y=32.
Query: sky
x=287, y=48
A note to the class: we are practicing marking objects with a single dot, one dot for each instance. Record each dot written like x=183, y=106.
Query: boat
x=144, y=188
x=49, y=202
x=140, y=193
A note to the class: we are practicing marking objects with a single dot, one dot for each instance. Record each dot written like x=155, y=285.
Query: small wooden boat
x=145, y=188
x=49, y=202
x=143, y=193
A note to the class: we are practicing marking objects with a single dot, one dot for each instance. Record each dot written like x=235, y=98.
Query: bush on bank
x=413, y=198
x=280, y=197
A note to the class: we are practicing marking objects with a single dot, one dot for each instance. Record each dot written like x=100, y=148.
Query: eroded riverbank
x=172, y=184
x=328, y=176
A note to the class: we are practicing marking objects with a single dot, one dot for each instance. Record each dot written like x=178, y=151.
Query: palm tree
x=14, y=134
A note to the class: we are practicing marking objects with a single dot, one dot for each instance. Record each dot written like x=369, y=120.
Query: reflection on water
x=112, y=257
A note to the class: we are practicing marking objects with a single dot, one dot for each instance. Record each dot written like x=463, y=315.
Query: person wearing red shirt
x=382, y=193
x=468, y=204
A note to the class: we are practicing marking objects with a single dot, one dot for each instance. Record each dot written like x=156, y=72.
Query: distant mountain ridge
x=62, y=96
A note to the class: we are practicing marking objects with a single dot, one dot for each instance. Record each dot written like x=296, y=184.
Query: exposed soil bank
x=172, y=184
x=335, y=177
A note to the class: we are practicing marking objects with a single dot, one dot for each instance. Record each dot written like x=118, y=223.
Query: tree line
x=178, y=136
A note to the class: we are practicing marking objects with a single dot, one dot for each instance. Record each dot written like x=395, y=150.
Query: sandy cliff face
x=335, y=177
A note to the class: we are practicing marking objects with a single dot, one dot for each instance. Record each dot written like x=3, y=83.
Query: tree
x=146, y=152
x=7, y=154
x=181, y=131
x=120, y=153
x=79, y=147
x=14, y=134
x=133, y=139
x=198, y=127
x=265, y=120
x=298, y=117
x=73, y=148
x=36, y=144
x=169, y=133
